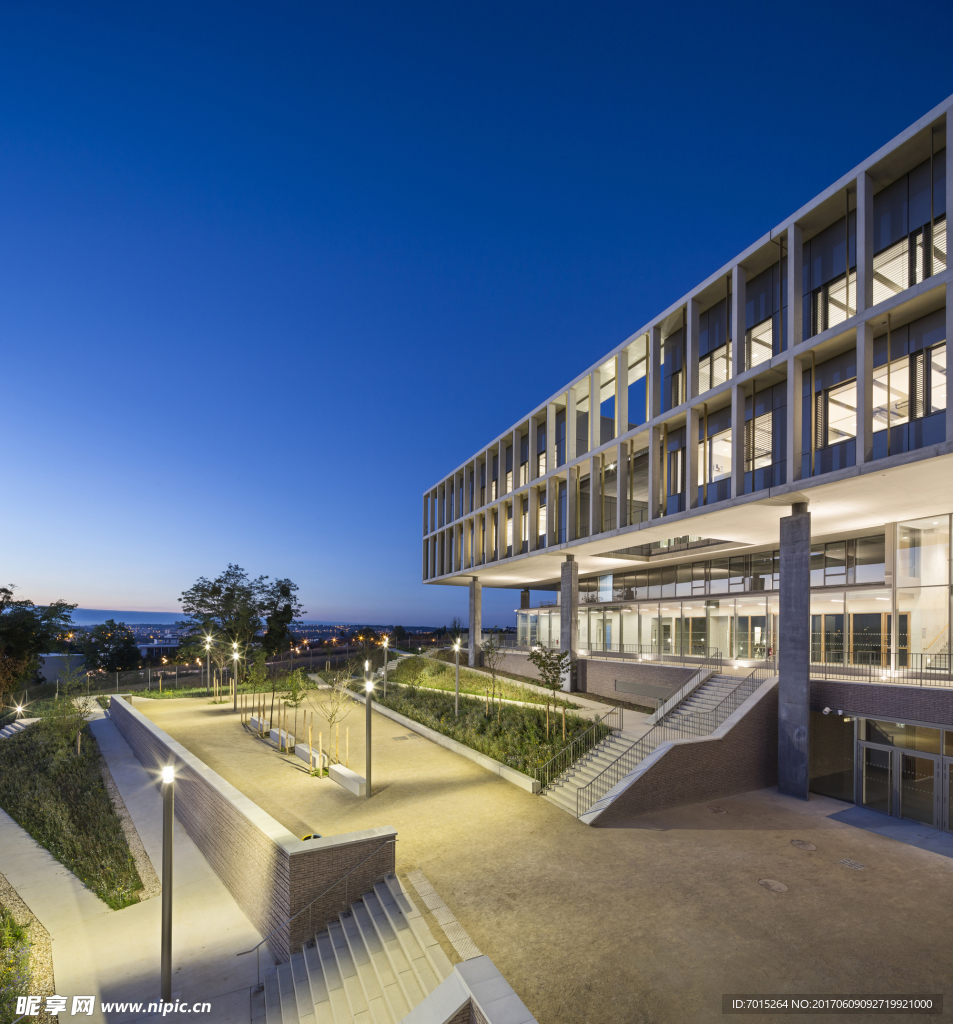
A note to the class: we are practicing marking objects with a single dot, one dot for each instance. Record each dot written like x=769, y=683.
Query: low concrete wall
x=594, y=676
x=271, y=873
x=489, y=763
x=519, y=664
x=741, y=755
x=475, y=993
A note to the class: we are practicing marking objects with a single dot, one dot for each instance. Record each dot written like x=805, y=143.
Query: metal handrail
x=686, y=726
x=699, y=678
x=571, y=753
x=284, y=924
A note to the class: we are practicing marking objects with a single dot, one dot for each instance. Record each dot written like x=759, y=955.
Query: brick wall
x=744, y=758
x=269, y=871
x=599, y=676
x=877, y=700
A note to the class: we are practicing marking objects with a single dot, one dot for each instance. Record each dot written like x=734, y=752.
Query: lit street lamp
x=386, y=639
x=168, y=818
x=456, y=698
x=235, y=657
x=369, y=689
x=208, y=648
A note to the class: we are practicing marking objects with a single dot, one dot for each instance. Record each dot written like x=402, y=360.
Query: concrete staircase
x=372, y=965
x=14, y=727
x=706, y=698
x=562, y=790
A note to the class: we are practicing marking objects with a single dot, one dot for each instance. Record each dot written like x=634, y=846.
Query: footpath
x=114, y=955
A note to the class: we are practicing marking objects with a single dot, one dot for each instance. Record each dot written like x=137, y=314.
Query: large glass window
x=841, y=413
x=923, y=552
x=925, y=612
x=868, y=632
x=827, y=629
x=898, y=734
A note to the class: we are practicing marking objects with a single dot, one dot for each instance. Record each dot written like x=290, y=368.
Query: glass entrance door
x=877, y=779
x=918, y=781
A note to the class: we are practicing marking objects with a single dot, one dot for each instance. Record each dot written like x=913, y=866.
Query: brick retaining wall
x=269, y=871
x=743, y=758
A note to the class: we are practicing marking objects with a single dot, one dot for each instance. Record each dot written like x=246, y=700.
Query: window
x=838, y=420
x=759, y=342
x=717, y=459
x=541, y=536
x=541, y=464
x=910, y=387
x=830, y=285
x=759, y=445
x=937, y=370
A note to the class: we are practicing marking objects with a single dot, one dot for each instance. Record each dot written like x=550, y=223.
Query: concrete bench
x=310, y=756
x=281, y=738
x=259, y=724
x=351, y=781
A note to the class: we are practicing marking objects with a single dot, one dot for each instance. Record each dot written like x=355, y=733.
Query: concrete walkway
x=114, y=955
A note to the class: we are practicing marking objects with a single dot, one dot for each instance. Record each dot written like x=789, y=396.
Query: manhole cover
x=717, y=810
x=803, y=844
x=855, y=865
x=770, y=883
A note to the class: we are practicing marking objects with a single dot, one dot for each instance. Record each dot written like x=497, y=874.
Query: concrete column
x=655, y=372
x=532, y=447
x=691, y=457
x=524, y=599
x=476, y=621
x=794, y=688
x=570, y=424
x=949, y=322
x=738, y=279
x=737, y=441
x=795, y=273
x=794, y=399
x=550, y=437
x=865, y=242
x=571, y=484
x=655, y=471
x=501, y=530
x=622, y=485
x=622, y=393
x=568, y=609
x=552, y=502
x=533, y=517
x=865, y=393
x=595, y=410
x=691, y=349
x=595, y=496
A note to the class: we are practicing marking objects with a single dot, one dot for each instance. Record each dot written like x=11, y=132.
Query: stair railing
x=581, y=745
x=706, y=669
x=284, y=924
x=702, y=723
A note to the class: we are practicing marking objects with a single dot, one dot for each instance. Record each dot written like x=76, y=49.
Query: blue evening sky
x=267, y=271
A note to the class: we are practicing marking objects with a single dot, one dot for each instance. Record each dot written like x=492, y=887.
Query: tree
x=493, y=655
x=337, y=703
x=399, y=635
x=297, y=688
x=111, y=646
x=552, y=666
x=281, y=608
x=27, y=631
x=258, y=673
x=235, y=609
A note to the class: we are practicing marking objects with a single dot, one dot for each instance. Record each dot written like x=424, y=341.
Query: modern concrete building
x=760, y=474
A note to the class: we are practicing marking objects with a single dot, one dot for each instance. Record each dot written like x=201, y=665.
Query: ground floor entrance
x=904, y=769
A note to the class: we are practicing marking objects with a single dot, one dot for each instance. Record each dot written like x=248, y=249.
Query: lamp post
x=208, y=648
x=456, y=696
x=168, y=817
x=369, y=689
x=235, y=677
x=386, y=639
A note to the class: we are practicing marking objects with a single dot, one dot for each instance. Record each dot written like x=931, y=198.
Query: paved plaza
x=651, y=921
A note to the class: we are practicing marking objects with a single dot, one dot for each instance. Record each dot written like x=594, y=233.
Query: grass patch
x=438, y=676
x=59, y=797
x=14, y=965
x=513, y=735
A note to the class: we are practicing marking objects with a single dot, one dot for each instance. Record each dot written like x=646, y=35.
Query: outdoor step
x=320, y=997
x=439, y=960
x=396, y=1000
x=425, y=974
x=373, y=993
x=353, y=989
x=286, y=994
x=302, y=988
x=272, y=1000
x=333, y=980
x=403, y=969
